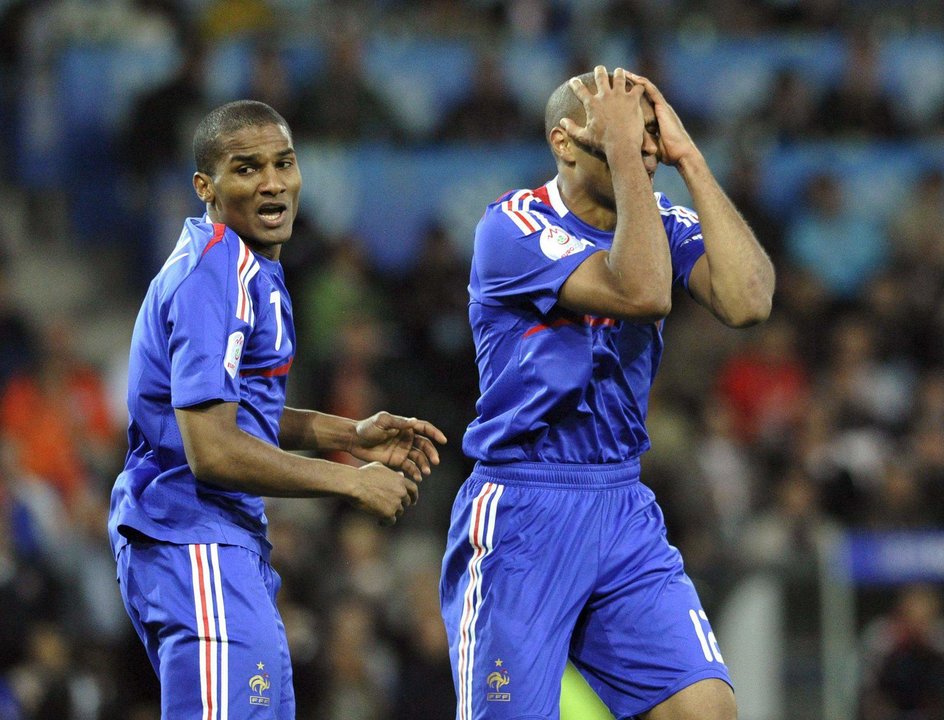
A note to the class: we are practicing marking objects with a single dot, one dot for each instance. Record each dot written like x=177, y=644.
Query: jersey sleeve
x=685, y=240
x=521, y=254
x=208, y=324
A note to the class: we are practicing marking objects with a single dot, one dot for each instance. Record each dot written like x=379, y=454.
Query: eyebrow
x=255, y=156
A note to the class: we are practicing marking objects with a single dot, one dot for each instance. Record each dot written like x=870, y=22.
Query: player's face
x=255, y=188
x=596, y=173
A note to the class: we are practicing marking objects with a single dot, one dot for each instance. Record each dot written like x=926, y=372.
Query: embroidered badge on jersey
x=557, y=243
x=497, y=680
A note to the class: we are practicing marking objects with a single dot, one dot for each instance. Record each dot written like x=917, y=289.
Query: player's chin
x=275, y=235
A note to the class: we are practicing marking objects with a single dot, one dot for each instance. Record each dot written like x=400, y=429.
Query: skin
x=259, y=173
x=633, y=280
x=605, y=173
x=734, y=279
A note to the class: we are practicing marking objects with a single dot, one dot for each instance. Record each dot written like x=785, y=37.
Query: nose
x=649, y=144
x=270, y=181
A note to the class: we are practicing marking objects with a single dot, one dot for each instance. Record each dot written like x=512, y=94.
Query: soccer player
x=208, y=434
x=556, y=549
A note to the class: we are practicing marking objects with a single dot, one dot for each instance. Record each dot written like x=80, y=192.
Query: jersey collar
x=553, y=194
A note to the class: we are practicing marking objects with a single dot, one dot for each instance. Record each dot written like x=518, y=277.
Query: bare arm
x=735, y=278
x=315, y=431
x=633, y=280
x=219, y=452
x=400, y=443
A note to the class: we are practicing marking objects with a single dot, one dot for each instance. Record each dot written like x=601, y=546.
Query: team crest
x=496, y=680
x=258, y=684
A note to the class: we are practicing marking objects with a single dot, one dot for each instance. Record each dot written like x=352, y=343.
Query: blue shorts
x=209, y=622
x=546, y=562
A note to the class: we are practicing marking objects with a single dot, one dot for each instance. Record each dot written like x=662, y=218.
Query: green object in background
x=578, y=701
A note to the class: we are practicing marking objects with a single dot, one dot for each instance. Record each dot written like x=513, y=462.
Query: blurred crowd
x=765, y=442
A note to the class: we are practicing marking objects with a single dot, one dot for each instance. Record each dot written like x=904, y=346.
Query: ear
x=562, y=145
x=203, y=185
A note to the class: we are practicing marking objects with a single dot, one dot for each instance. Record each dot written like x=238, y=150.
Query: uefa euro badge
x=259, y=683
x=496, y=680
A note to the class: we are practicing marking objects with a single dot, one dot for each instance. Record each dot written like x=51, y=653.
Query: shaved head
x=209, y=138
x=565, y=103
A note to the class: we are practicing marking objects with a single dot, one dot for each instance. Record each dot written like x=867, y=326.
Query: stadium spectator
x=766, y=385
x=58, y=417
x=489, y=112
x=859, y=104
x=903, y=655
x=342, y=102
x=833, y=241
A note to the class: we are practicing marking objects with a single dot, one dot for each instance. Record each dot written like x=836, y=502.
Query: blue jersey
x=216, y=325
x=556, y=386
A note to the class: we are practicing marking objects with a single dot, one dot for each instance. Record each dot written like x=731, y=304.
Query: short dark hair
x=225, y=120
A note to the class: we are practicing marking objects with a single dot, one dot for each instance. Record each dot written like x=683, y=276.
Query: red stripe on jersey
x=218, y=230
x=520, y=215
x=560, y=322
x=269, y=372
x=206, y=633
x=542, y=194
x=587, y=320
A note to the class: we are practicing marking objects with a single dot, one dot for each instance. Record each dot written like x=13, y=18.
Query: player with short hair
x=556, y=549
x=208, y=434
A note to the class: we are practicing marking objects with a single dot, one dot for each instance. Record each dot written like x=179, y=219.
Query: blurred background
x=800, y=464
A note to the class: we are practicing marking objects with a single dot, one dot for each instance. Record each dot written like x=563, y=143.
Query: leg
x=513, y=583
x=206, y=617
x=644, y=638
x=705, y=700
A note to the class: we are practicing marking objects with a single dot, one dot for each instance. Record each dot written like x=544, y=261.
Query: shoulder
x=520, y=212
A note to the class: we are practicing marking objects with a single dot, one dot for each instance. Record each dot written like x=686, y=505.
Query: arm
x=633, y=280
x=735, y=278
x=400, y=443
x=219, y=452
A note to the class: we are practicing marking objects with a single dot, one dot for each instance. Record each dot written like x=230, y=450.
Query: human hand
x=400, y=443
x=383, y=493
x=614, y=113
x=675, y=144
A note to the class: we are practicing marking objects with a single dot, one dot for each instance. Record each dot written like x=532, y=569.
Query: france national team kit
x=556, y=548
x=216, y=325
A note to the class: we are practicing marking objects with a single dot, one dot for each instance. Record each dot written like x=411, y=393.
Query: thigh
x=709, y=699
x=643, y=635
x=514, y=580
x=207, y=618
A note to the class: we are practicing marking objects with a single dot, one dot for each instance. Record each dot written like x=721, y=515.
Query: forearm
x=639, y=258
x=219, y=452
x=740, y=274
x=314, y=431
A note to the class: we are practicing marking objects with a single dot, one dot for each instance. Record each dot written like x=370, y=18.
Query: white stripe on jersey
x=246, y=270
x=517, y=207
x=685, y=216
x=213, y=643
x=224, y=639
x=481, y=533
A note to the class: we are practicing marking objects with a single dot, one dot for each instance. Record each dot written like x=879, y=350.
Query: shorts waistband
x=560, y=474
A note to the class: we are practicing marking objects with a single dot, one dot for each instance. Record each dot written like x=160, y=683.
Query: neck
x=584, y=205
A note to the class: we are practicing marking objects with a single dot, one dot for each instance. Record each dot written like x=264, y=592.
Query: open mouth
x=272, y=214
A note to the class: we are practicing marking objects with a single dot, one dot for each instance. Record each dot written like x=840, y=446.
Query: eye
x=285, y=164
x=244, y=169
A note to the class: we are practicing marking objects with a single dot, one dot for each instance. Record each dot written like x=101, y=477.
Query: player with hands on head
x=209, y=435
x=556, y=549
